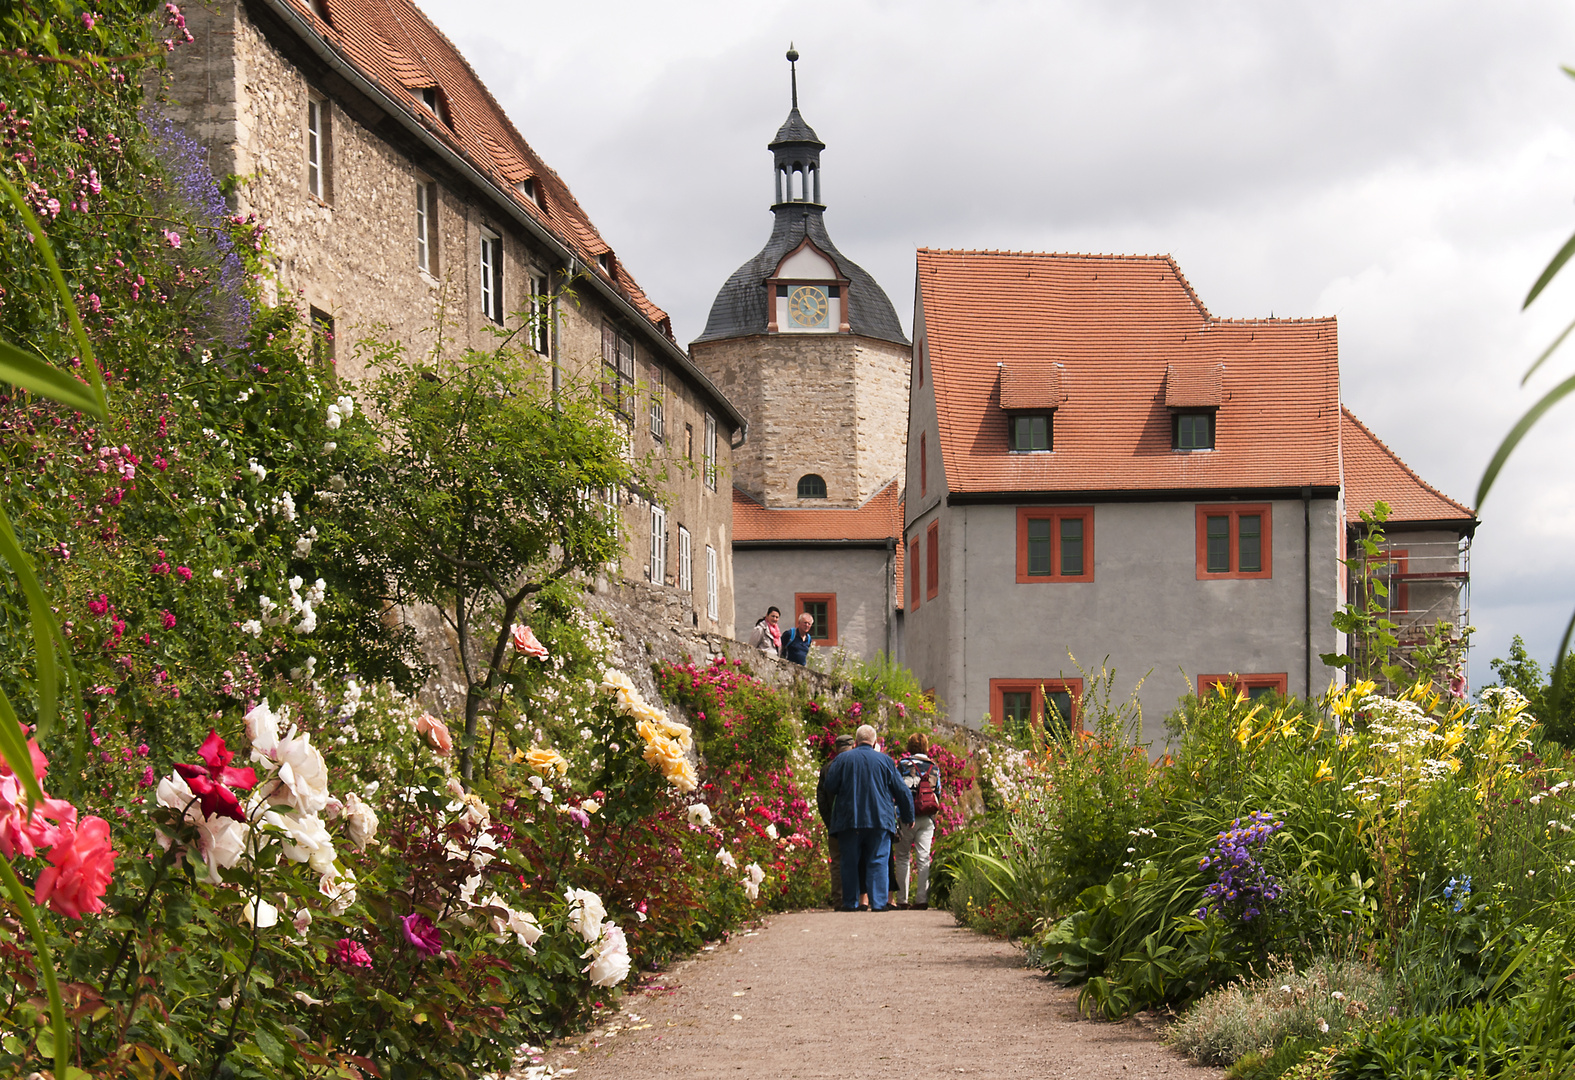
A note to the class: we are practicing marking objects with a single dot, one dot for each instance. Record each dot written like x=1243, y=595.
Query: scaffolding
x=1428, y=585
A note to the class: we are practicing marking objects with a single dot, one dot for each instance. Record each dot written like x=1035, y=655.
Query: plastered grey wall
x=931, y=632
x=860, y=578
x=1145, y=610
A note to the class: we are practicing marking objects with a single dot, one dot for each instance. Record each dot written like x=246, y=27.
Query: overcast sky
x=1406, y=167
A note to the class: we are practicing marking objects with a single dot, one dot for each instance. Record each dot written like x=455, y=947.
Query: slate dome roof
x=740, y=308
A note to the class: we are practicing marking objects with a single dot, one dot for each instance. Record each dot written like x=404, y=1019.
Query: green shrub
x=1261, y=1016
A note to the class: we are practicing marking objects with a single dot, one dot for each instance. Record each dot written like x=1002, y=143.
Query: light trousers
x=914, y=840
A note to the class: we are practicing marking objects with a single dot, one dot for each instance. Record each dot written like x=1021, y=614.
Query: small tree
x=477, y=487
x=1370, y=633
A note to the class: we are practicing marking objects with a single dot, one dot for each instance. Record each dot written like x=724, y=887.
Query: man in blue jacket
x=862, y=797
x=796, y=642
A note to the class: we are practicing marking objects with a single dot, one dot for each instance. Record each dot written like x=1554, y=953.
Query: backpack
x=926, y=801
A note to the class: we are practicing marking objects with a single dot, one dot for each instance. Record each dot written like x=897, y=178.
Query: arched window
x=811, y=486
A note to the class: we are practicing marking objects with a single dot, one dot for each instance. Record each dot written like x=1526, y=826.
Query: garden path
x=823, y=994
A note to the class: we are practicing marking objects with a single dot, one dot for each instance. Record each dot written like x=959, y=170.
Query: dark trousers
x=865, y=855
x=834, y=857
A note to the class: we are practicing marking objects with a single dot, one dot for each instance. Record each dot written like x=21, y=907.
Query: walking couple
x=867, y=801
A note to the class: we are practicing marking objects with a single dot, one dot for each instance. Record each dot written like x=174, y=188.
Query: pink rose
x=436, y=732
x=80, y=866
x=420, y=932
x=525, y=642
x=350, y=954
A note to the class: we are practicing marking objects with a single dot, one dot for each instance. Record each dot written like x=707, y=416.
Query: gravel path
x=853, y=995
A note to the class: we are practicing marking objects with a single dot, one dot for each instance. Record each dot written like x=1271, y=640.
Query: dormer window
x=532, y=191
x=1193, y=430
x=1030, y=395
x=608, y=264
x=1194, y=392
x=1027, y=432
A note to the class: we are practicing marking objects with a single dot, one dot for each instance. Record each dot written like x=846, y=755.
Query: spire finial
x=792, y=58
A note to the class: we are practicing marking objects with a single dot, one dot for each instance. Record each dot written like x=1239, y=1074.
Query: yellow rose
x=544, y=761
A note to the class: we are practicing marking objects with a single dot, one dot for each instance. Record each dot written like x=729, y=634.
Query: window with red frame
x=1015, y=704
x=924, y=465
x=932, y=561
x=822, y=608
x=1235, y=541
x=913, y=574
x=1250, y=686
x=1055, y=544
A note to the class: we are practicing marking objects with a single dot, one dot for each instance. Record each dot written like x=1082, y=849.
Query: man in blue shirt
x=862, y=796
x=796, y=642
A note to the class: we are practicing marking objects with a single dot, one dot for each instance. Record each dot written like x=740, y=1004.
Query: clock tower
x=808, y=346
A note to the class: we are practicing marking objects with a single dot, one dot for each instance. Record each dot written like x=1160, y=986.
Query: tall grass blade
x=1518, y=432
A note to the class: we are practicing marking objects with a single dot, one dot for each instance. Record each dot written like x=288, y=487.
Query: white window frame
x=540, y=314
x=424, y=226
x=316, y=145
x=686, y=581
x=658, y=392
x=658, y=545
x=710, y=451
x=710, y=582
x=491, y=270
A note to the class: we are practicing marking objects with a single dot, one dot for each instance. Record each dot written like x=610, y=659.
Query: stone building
x=810, y=348
x=1099, y=468
x=403, y=203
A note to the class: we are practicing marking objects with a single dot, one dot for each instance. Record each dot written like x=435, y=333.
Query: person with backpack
x=922, y=776
x=796, y=642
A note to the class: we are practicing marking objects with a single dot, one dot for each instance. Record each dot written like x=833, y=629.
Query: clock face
x=807, y=306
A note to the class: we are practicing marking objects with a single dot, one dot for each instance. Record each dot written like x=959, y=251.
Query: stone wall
x=351, y=255
x=829, y=404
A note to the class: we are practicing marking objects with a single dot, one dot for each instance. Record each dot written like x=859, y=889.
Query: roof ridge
x=1345, y=409
x=464, y=132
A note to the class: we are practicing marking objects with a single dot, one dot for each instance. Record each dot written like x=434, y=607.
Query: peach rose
x=436, y=732
x=525, y=642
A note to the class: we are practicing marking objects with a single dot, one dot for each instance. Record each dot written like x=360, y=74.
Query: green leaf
x=36, y=375
x=45, y=630
x=1547, y=353
x=1518, y=432
x=1552, y=271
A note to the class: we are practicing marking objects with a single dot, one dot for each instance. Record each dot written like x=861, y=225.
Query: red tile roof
x=1373, y=472
x=1030, y=384
x=1116, y=324
x=398, y=48
x=880, y=518
x=1192, y=385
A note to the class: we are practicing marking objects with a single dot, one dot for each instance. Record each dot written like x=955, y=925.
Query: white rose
x=262, y=730
x=756, y=874
x=360, y=821
x=339, y=887
x=585, y=913
x=699, y=814
x=771, y=830
x=725, y=857
x=222, y=841
x=303, y=771
x=609, y=957
x=175, y=793
x=260, y=913
x=346, y=405
x=309, y=841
